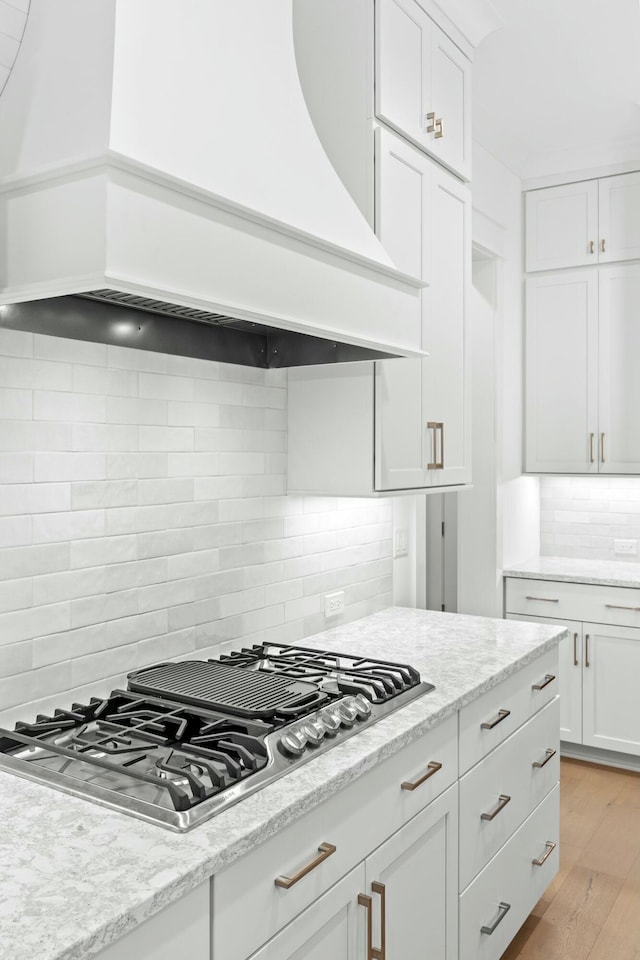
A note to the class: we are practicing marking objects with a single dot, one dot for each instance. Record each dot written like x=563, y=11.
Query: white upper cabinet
x=423, y=83
x=619, y=199
x=562, y=372
x=562, y=226
x=576, y=224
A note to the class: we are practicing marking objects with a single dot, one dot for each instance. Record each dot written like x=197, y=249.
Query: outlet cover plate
x=626, y=548
x=334, y=604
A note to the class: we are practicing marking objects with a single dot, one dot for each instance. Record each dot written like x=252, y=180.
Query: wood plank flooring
x=591, y=911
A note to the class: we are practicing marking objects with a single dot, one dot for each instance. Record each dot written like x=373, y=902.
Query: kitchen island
x=77, y=877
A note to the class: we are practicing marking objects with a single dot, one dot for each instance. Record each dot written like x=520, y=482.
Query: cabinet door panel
x=403, y=66
x=418, y=867
x=400, y=430
x=446, y=387
x=611, y=707
x=620, y=217
x=451, y=102
x=562, y=226
x=619, y=383
x=561, y=373
x=330, y=927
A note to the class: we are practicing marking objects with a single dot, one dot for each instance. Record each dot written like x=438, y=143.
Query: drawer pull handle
x=503, y=800
x=325, y=850
x=547, y=756
x=619, y=606
x=503, y=910
x=575, y=649
x=549, y=848
x=375, y=953
x=587, y=662
x=490, y=724
x=432, y=768
x=548, y=678
x=365, y=901
x=544, y=599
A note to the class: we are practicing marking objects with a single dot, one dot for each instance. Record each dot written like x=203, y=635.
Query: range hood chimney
x=160, y=153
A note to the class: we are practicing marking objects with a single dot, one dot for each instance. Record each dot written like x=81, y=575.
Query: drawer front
x=497, y=795
x=510, y=880
x=619, y=606
x=494, y=716
x=355, y=821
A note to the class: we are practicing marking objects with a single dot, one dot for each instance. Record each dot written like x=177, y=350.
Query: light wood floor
x=591, y=911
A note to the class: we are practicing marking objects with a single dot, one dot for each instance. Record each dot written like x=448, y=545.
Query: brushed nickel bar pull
x=591, y=246
x=435, y=426
x=365, y=902
x=547, y=756
x=503, y=910
x=575, y=649
x=431, y=122
x=503, y=800
x=544, y=599
x=439, y=128
x=619, y=606
x=432, y=768
x=380, y=953
x=549, y=848
x=586, y=650
x=325, y=850
x=548, y=678
x=591, y=437
x=442, y=446
x=490, y=724
x=602, y=246
x=602, y=448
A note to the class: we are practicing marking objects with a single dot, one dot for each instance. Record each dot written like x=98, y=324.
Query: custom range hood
x=158, y=154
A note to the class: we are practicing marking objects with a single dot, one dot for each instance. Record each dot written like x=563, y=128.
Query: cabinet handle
x=548, y=678
x=602, y=448
x=325, y=850
x=547, y=756
x=490, y=724
x=380, y=952
x=619, y=606
x=544, y=599
x=549, y=848
x=602, y=245
x=503, y=910
x=365, y=901
x=591, y=246
x=440, y=128
x=503, y=800
x=435, y=426
x=575, y=649
x=591, y=436
x=430, y=120
x=432, y=768
x=586, y=650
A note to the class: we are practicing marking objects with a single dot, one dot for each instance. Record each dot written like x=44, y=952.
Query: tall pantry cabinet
x=391, y=102
x=583, y=334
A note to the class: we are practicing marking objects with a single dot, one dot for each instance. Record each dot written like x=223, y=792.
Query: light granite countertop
x=612, y=573
x=75, y=876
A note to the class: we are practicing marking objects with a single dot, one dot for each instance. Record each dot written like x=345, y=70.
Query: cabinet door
x=611, y=707
x=561, y=373
x=562, y=226
x=619, y=217
x=332, y=926
x=619, y=383
x=403, y=217
x=403, y=67
x=414, y=878
x=450, y=142
x=447, y=370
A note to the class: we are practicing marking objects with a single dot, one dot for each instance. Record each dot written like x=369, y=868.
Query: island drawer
x=494, y=716
x=503, y=895
x=618, y=606
x=355, y=821
x=497, y=795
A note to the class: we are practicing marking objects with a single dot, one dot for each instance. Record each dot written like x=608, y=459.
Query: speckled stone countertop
x=612, y=573
x=75, y=876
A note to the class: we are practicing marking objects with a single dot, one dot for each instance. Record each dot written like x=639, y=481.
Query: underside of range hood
x=127, y=320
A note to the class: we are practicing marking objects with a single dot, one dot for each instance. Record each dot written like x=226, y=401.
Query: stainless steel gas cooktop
x=188, y=739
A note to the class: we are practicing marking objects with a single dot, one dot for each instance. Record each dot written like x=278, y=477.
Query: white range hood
x=162, y=149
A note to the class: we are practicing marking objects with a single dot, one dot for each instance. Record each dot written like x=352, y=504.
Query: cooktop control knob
x=293, y=743
x=331, y=720
x=313, y=732
x=347, y=712
x=363, y=706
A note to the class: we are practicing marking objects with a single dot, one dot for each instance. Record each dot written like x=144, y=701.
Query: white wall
x=143, y=517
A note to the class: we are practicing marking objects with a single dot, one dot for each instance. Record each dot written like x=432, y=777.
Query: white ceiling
x=557, y=88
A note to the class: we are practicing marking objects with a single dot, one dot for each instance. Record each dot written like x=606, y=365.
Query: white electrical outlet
x=628, y=548
x=401, y=542
x=334, y=603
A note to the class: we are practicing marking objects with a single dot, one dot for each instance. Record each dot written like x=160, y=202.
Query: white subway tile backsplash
x=144, y=516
